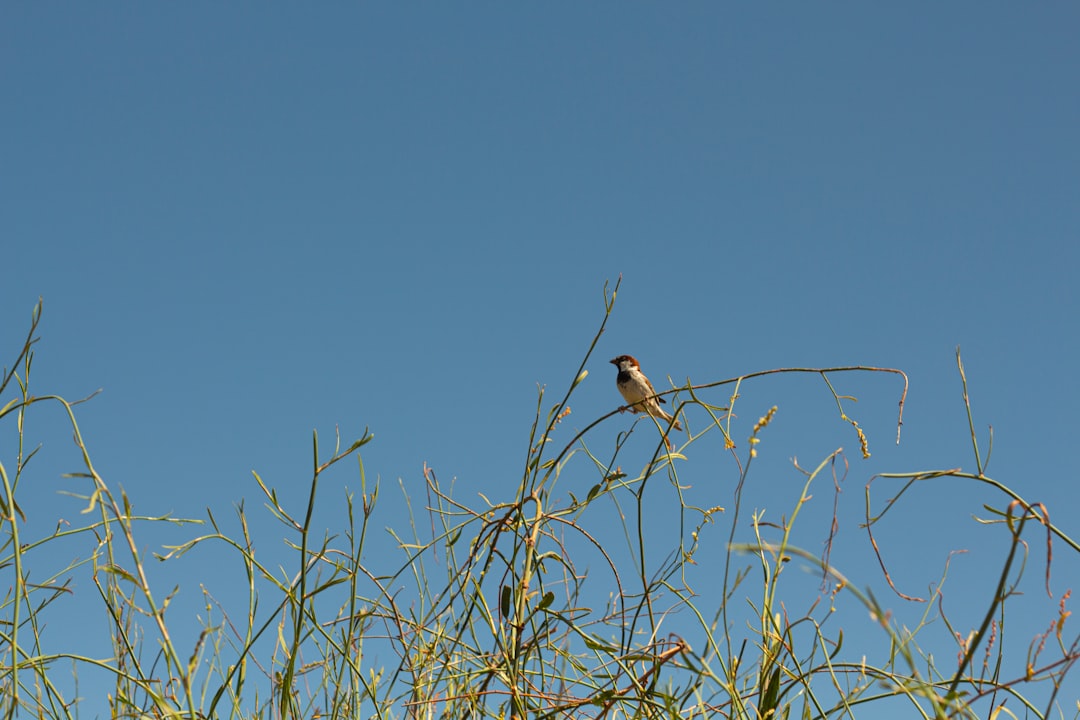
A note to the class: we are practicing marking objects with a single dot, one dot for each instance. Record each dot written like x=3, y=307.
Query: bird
x=637, y=391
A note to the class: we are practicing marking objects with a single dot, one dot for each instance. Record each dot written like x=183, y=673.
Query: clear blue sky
x=248, y=222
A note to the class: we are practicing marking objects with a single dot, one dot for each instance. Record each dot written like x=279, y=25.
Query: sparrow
x=637, y=391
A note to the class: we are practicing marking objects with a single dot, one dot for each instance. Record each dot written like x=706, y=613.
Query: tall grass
x=549, y=603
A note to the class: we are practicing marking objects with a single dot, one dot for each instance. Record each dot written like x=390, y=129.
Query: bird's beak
x=613, y=362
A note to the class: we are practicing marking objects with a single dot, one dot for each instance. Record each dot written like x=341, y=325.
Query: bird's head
x=625, y=363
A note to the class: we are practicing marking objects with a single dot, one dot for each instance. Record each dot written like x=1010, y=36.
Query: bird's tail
x=667, y=417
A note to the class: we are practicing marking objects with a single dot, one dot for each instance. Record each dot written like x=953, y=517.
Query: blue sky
x=250, y=222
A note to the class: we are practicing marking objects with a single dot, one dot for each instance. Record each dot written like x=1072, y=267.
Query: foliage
x=536, y=606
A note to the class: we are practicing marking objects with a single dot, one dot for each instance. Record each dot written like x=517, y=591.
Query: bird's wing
x=652, y=390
